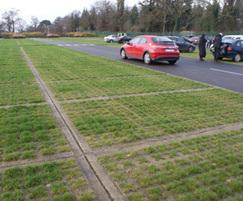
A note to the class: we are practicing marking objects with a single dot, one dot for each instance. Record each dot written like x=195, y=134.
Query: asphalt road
x=228, y=76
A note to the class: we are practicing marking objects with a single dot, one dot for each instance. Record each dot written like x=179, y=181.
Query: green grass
x=93, y=40
x=17, y=84
x=130, y=119
x=29, y=132
x=202, y=169
x=25, y=132
x=73, y=75
x=57, y=181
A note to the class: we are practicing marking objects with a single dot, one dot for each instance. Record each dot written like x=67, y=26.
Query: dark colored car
x=124, y=39
x=194, y=40
x=151, y=48
x=184, y=44
x=233, y=49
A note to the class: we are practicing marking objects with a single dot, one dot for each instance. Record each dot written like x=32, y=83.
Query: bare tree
x=34, y=23
x=11, y=18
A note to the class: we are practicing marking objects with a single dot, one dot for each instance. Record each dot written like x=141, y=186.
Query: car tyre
x=172, y=62
x=237, y=58
x=123, y=54
x=146, y=58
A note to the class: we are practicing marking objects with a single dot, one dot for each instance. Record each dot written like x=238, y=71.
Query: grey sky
x=49, y=9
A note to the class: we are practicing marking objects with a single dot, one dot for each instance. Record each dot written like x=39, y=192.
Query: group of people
x=217, y=42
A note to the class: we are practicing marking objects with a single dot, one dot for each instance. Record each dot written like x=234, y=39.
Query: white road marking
x=225, y=71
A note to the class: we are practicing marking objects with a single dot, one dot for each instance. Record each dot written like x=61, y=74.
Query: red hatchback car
x=151, y=48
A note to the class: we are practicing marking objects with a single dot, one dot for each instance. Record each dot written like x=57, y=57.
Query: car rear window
x=162, y=40
x=227, y=40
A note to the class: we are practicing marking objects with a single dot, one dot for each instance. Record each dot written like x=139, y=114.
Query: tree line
x=147, y=16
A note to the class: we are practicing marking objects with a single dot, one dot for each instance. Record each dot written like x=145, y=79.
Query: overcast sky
x=49, y=9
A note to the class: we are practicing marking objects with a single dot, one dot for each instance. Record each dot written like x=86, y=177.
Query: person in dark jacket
x=217, y=46
x=202, y=47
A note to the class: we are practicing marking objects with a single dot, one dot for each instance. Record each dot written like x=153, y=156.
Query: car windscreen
x=163, y=41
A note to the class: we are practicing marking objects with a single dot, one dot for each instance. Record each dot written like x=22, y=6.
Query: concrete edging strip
x=156, y=141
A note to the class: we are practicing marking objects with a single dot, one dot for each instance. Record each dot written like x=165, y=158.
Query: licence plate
x=169, y=50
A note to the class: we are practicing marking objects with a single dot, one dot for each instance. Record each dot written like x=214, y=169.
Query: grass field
x=57, y=181
x=202, y=169
x=29, y=132
x=113, y=104
x=133, y=118
x=17, y=85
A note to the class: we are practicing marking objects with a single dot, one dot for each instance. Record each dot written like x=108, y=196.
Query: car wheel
x=123, y=54
x=147, y=59
x=237, y=58
x=172, y=62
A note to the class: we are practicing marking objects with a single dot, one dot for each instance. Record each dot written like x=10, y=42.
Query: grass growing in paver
x=29, y=132
x=17, y=84
x=25, y=132
x=201, y=169
x=93, y=40
x=72, y=75
x=135, y=118
x=57, y=181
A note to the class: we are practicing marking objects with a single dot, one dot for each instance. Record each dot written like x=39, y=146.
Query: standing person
x=217, y=46
x=202, y=47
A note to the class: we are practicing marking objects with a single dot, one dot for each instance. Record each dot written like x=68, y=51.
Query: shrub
x=34, y=34
x=52, y=35
x=80, y=34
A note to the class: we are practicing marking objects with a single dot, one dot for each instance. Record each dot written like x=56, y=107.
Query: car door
x=237, y=47
x=139, y=49
x=131, y=47
x=241, y=52
x=181, y=43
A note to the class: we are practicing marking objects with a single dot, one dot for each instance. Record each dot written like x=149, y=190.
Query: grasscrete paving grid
x=17, y=85
x=57, y=181
x=205, y=168
x=30, y=135
x=130, y=119
x=202, y=169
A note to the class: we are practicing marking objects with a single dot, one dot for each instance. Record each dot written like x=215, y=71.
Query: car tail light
x=229, y=49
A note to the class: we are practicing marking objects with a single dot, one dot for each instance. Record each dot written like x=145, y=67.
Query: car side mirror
x=129, y=43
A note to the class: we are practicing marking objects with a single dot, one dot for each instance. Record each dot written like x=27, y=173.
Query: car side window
x=181, y=40
x=135, y=41
x=143, y=41
x=238, y=44
x=241, y=43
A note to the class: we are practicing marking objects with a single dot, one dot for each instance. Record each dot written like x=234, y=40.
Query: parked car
x=233, y=49
x=184, y=44
x=231, y=37
x=194, y=40
x=124, y=39
x=111, y=38
x=150, y=49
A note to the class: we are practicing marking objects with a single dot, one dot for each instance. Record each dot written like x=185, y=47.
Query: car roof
x=233, y=37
